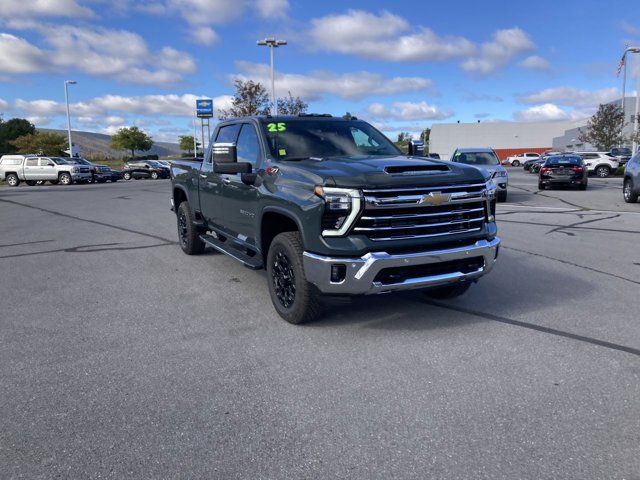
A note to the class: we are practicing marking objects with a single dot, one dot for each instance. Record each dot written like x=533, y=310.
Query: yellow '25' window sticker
x=276, y=127
x=282, y=152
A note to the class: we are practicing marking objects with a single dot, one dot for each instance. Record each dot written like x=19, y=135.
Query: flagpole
x=624, y=82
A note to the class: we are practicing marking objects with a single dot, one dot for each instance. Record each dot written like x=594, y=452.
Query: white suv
x=600, y=163
x=519, y=159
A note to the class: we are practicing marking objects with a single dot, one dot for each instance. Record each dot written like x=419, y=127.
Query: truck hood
x=389, y=171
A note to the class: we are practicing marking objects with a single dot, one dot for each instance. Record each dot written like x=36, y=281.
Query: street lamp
x=624, y=85
x=66, y=100
x=272, y=43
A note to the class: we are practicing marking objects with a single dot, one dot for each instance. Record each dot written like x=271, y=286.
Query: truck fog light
x=338, y=272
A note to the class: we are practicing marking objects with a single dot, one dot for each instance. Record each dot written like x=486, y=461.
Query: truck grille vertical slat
x=405, y=213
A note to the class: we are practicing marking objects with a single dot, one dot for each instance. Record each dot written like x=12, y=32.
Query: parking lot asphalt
x=121, y=357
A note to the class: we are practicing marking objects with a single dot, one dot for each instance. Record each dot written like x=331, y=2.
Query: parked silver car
x=32, y=169
x=631, y=183
x=485, y=159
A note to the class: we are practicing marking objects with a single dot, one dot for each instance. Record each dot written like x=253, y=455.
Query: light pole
x=66, y=100
x=624, y=87
x=272, y=43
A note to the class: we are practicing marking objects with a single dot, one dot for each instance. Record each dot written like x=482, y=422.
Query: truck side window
x=248, y=145
x=32, y=162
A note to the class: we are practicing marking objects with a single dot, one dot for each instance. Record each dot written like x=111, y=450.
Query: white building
x=510, y=138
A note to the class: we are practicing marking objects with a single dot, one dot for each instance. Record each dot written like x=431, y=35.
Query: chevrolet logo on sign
x=203, y=104
x=435, y=198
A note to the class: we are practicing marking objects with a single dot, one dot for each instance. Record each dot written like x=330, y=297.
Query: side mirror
x=224, y=153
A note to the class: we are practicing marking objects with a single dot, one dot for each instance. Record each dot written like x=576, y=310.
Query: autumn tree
x=291, y=106
x=604, y=128
x=41, y=143
x=131, y=138
x=250, y=98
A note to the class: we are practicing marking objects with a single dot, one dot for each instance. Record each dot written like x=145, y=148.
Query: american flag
x=621, y=64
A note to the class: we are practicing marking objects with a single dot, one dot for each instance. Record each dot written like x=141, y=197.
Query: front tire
x=294, y=298
x=448, y=291
x=541, y=186
x=188, y=234
x=126, y=176
x=582, y=186
x=12, y=180
x=65, y=179
x=154, y=175
x=515, y=163
x=628, y=193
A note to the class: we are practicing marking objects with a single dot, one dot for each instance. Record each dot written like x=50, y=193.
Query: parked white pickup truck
x=32, y=169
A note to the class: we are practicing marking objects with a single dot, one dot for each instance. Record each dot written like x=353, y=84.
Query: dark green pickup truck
x=330, y=206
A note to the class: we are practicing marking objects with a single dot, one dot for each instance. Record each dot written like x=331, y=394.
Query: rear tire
x=12, y=180
x=188, y=234
x=603, y=171
x=515, y=163
x=628, y=193
x=582, y=186
x=154, y=175
x=294, y=298
x=448, y=291
x=541, y=186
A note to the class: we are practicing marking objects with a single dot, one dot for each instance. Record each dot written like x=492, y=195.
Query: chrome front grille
x=422, y=212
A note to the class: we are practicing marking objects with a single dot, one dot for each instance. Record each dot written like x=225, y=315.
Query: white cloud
x=629, y=29
x=548, y=112
x=315, y=84
x=18, y=56
x=4, y=104
x=207, y=12
x=504, y=45
x=571, y=96
x=272, y=8
x=11, y=9
x=535, y=62
x=204, y=36
x=407, y=111
x=97, y=51
x=385, y=36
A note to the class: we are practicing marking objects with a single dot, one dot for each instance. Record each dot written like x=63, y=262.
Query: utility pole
x=66, y=101
x=272, y=43
x=624, y=88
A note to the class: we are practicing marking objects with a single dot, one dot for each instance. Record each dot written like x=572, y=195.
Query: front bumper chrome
x=361, y=272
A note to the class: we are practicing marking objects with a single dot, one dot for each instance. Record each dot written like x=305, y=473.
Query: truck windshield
x=301, y=139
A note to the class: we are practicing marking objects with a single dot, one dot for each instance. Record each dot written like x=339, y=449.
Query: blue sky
x=402, y=65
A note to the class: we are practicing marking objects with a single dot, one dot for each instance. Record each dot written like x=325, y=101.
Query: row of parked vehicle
x=601, y=164
x=36, y=170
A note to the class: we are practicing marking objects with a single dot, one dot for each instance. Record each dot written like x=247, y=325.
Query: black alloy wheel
x=284, y=280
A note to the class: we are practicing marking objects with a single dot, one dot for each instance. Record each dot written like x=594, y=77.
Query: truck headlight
x=500, y=174
x=491, y=200
x=341, y=207
x=75, y=169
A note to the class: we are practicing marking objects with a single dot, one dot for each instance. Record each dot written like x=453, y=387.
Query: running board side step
x=254, y=263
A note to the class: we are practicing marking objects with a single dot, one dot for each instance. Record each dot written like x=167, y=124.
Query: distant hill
x=98, y=143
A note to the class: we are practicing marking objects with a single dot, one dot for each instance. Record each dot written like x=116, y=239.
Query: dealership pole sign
x=204, y=108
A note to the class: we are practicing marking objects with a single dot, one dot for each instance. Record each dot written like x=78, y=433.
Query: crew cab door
x=210, y=183
x=48, y=170
x=32, y=170
x=240, y=201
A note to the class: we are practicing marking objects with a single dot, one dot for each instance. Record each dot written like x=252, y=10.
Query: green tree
x=42, y=143
x=292, y=106
x=186, y=143
x=251, y=98
x=424, y=136
x=404, y=137
x=131, y=138
x=11, y=130
x=604, y=128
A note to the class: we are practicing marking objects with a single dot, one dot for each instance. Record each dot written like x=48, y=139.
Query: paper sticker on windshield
x=458, y=154
x=276, y=127
x=282, y=152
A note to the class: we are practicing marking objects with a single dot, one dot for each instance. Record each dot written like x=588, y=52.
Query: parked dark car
x=563, y=170
x=434, y=155
x=631, y=184
x=144, y=169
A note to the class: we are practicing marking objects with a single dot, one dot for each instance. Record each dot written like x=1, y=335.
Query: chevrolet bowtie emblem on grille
x=435, y=198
